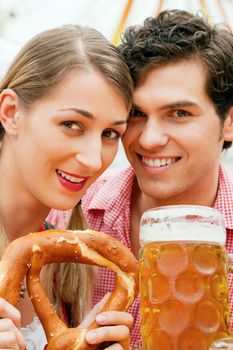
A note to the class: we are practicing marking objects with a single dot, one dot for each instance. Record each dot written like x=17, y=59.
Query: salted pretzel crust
x=26, y=256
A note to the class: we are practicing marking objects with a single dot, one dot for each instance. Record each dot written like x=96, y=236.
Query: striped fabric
x=107, y=208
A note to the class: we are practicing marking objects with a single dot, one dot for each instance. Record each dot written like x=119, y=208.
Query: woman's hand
x=10, y=319
x=114, y=327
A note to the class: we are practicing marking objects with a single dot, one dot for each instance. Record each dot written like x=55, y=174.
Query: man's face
x=174, y=137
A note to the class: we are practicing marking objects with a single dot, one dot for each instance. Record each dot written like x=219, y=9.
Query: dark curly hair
x=176, y=35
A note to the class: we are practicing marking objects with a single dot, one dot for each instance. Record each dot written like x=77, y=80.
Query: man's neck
x=199, y=195
x=140, y=202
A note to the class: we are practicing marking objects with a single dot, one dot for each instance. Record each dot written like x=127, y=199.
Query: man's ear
x=9, y=111
x=228, y=126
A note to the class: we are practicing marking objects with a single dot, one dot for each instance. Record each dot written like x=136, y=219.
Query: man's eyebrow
x=89, y=115
x=135, y=106
x=180, y=104
x=79, y=111
x=120, y=122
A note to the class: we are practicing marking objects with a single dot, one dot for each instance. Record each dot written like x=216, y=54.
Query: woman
x=63, y=107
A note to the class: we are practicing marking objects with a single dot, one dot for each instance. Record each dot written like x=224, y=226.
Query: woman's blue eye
x=111, y=134
x=72, y=125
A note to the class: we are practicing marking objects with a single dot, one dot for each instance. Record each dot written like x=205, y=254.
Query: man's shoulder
x=112, y=183
x=110, y=174
x=224, y=198
x=225, y=177
x=109, y=177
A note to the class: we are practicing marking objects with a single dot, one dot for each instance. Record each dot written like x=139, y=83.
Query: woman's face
x=67, y=140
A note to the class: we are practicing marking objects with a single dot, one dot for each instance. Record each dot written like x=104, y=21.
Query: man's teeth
x=70, y=178
x=158, y=162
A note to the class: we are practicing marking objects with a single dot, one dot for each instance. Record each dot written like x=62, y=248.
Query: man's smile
x=159, y=162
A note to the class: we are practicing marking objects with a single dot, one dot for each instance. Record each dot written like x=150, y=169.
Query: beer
x=183, y=283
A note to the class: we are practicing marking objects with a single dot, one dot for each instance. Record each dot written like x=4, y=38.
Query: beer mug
x=184, y=300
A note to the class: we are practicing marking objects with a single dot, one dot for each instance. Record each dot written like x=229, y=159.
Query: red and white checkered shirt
x=107, y=208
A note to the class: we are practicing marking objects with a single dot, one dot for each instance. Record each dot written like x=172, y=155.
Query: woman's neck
x=20, y=216
x=20, y=211
x=20, y=222
x=20, y=228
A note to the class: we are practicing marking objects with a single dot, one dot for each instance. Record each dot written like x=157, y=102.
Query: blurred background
x=22, y=19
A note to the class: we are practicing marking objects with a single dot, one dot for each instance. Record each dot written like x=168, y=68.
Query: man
x=181, y=121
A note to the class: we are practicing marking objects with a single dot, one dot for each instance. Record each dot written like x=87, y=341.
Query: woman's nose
x=90, y=156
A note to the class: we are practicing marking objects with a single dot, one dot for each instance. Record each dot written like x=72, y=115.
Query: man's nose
x=153, y=135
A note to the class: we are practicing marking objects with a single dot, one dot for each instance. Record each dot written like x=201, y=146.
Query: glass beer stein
x=184, y=300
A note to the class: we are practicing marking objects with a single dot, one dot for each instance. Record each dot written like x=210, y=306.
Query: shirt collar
x=117, y=192
x=224, y=199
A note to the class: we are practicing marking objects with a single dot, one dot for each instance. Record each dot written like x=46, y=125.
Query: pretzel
x=26, y=256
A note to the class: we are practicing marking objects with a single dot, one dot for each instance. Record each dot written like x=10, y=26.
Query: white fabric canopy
x=21, y=19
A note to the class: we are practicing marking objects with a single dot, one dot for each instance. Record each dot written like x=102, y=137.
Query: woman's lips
x=71, y=182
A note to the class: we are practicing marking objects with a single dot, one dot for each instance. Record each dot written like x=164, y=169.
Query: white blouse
x=34, y=335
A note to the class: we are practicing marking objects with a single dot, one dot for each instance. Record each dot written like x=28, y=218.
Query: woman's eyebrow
x=89, y=115
x=79, y=111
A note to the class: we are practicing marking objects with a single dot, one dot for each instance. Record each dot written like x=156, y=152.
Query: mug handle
x=222, y=344
x=230, y=263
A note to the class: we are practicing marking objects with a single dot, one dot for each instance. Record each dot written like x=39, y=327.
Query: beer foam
x=183, y=222
x=183, y=210
x=181, y=231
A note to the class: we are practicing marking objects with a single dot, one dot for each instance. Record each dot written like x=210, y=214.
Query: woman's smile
x=71, y=182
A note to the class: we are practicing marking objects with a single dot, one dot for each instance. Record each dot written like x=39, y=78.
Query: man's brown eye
x=136, y=113
x=181, y=113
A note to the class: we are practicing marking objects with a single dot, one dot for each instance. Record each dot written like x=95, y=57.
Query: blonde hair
x=36, y=71
x=3, y=239
x=48, y=57
x=73, y=281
